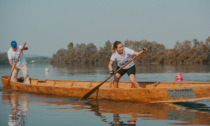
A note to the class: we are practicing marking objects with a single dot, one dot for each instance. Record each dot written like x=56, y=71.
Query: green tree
x=70, y=45
x=186, y=52
x=105, y=53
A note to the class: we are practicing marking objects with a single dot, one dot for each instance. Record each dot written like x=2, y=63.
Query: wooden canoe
x=150, y=91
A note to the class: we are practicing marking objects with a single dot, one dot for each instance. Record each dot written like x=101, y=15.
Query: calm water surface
x=31, y=109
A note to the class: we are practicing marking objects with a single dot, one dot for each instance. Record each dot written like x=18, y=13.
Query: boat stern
x=4, y=79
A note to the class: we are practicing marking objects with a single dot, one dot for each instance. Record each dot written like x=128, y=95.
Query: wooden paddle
x=6, y=85
x=96, y=87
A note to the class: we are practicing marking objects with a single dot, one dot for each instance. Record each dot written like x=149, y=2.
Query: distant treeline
x=4, y=59
x=186, y=52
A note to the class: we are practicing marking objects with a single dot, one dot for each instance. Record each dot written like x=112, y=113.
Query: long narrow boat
x=150, y=91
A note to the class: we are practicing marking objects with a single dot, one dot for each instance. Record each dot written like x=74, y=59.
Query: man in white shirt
x=13, y=54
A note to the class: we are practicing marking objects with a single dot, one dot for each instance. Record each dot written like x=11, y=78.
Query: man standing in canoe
x=13, y=54
x=122, y=55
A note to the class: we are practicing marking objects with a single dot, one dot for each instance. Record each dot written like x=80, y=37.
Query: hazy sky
x=48, y=25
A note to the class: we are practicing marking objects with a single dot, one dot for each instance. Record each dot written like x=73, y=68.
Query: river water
x=31, y=109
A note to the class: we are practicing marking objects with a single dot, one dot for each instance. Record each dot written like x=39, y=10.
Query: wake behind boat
x=150, y=91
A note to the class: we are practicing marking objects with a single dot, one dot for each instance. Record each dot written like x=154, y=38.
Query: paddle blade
x=94, y=89
x=6, y=85
x=89, y=93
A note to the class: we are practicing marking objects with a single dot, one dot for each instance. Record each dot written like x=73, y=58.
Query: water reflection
x=19, y=110
x=113, y=113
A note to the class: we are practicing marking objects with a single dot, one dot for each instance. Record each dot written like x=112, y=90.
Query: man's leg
x=131, y=73
x=117, y=77
x=133, y=81
x=24, y=70
x=14, y=75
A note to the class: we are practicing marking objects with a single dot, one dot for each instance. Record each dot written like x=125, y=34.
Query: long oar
x=5, y=86
x=96, y=87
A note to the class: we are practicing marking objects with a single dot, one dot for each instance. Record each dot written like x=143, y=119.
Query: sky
x=49, y=25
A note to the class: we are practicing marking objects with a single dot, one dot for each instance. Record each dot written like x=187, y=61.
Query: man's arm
x=25, y=48
x=110, y=65
x=136, y=53
x=11, y=63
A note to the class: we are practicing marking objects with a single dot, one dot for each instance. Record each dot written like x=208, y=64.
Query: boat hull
x=150, y=91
